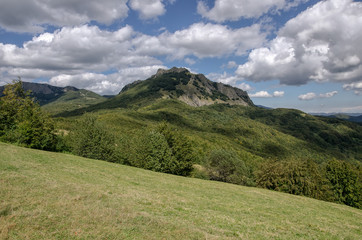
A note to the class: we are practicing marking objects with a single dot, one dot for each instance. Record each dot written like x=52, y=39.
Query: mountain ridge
x=192, y=89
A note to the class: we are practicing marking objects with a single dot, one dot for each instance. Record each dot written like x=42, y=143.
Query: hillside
x=175, y=83
x=59, y=99
x=47, y=195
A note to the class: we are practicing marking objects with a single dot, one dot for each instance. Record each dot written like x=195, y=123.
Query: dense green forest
x=282, y=149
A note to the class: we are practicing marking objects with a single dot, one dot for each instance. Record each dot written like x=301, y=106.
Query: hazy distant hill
x=59, y=99
x=351, y=117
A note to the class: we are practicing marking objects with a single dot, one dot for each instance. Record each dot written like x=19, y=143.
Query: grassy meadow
x=45, y=195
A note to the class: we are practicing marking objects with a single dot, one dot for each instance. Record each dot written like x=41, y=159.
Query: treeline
x=165, y=149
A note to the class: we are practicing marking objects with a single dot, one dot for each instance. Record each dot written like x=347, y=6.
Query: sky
x=302, y=54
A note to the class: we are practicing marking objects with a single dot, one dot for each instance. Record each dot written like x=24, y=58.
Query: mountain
x=177, y=84
x=59, y=99
x=351, y=117
x=192, y=89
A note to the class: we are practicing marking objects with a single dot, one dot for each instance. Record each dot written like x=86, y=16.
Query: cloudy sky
x=303, y=54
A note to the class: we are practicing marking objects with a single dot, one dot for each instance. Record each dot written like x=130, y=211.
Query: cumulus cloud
x=232, y=10
x=261, y=94
x=265, y=94
x=212, y=40
x=312, y=95
x=201, y=40
x=190, y=61
x=244, y=86
x=231, y=64
x=328, y=94
x=82, y=53
x=307, y=96
x=356, y=87
x=320, y=44
x=105, y=84
x=278, y=94
x=33, y=15
x=148, y=9
x=77, y=56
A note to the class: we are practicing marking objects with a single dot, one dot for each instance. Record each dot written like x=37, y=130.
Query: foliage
x=91, y=139
x=23, y=122
x=295, y=177
x=346, y=186
x=225, y=166
x=162, y=149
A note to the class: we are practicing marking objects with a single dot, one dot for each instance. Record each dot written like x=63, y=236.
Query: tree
x=91, y=139
x=181, y=149
x=23, y=122
x=293, y=176
x=345, y=183
x=162, y=149
x=225, y=166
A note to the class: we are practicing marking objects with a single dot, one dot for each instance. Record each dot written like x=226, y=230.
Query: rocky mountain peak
x=193, y=89
x=172, y=70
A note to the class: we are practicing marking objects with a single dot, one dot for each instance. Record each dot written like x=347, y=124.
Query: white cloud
x=328, y=94
x=190, y=61
x=148, y=9
x=261, y=94
x=320, y=44
x=278, y=94
x=83, y=52
x=77, y=56
x=244, y=86
x=265, y=94
x=312, y=95
x=32, y=15
x=212, y=40
x=201, y=40
x=105, y=84
x=356, y=87
x=233, y=10
x=307, y=96
x=231, y=64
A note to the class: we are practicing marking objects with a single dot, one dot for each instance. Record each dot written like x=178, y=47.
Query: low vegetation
x=46, y=195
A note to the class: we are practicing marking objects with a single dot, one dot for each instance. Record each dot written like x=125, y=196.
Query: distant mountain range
x=58, y=99
x=351, y=117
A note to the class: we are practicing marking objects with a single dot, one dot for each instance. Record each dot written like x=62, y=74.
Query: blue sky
x=303, y=54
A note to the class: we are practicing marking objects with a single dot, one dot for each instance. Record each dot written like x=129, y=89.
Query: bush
x=345, y=183
x=225, y=166
x=23, y=122
x=91, y=139
x=293, y=176
x=163, y=150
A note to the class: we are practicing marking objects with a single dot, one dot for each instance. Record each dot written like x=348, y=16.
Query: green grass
x=46, y=195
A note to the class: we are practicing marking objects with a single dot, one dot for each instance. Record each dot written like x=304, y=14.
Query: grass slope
x=73, y=100
x=47, y=195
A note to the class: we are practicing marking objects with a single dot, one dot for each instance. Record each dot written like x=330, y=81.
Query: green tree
x=225, y=166
x=181, y=150
x=345, y=183
x=161, y=149
x=91, y=139
x=23, y=122
x=292, y=176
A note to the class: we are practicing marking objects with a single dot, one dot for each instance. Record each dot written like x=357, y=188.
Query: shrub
x=293, y=176
x=225, y=166
x=345, y=183
x=162, y=149
x=91, y=139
